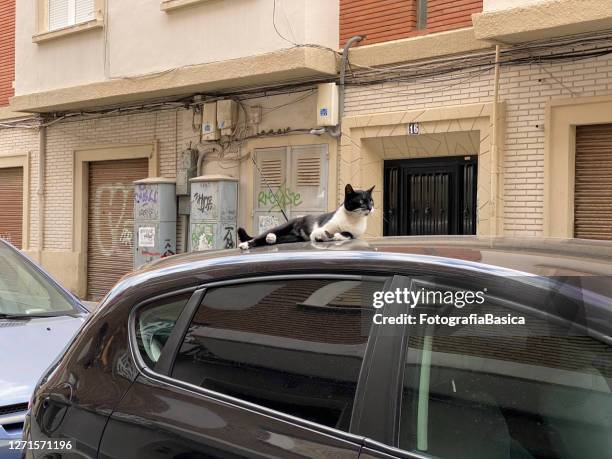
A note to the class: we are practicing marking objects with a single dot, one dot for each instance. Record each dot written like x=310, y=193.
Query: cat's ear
x=348, y=189
x=371, y=189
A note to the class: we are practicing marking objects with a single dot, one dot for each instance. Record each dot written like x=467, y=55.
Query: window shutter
x=59, y=14
x=270, y=173
x=308, y=179
x=84, y=10
x=64, y=13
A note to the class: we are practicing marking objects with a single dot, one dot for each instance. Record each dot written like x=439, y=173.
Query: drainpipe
x=336, y=132
x=207, y=149
x=40, y=191
x=494, y=150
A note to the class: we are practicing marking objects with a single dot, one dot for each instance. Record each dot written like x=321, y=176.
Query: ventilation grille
x=11, y=409
x=308, y=171
x=271, y=171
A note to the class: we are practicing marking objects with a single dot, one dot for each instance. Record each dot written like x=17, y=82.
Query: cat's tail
x=243, y=236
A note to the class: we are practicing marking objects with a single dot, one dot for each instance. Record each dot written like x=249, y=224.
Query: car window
x=532, y=390
x=295, y=346
x=154, y=323
x=25, y=292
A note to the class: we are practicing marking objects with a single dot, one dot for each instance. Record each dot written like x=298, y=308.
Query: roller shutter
x=111, y=222
x=593, y=182
x=11, y=204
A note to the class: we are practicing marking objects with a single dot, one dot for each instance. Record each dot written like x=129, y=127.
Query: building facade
x=524, y=125
x=470, y=117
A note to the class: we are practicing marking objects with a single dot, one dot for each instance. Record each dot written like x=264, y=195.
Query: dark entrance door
x=430, y=196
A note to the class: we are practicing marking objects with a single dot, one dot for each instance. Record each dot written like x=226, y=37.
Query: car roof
x=538, y=256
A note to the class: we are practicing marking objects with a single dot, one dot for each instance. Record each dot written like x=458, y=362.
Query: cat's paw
x=271, y=238
x=339, y=237
x=243, y=245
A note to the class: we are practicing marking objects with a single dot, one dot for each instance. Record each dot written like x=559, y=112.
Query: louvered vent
x=272, y=173
x=308, y=171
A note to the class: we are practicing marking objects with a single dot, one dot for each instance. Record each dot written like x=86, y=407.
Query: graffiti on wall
x=228, y=238
x=203, y=202
x=112, y=213
x=279, y=199
x=202, y=236
x=146, y=201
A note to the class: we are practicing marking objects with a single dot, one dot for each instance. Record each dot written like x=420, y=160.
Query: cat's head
x=358, y=200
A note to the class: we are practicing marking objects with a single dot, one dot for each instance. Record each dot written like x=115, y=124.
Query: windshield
x=25, y=292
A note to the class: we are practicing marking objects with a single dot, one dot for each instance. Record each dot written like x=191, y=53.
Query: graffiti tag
x=279, y=199
x=126, y=237
x=116, y=219
x=204, y=203
x=228, y=239
x=167, y=249
x=145, y=194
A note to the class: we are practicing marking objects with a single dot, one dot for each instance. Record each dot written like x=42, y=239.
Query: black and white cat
x=348, y=222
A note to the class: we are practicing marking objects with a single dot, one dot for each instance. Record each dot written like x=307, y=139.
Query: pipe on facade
x=494, y=150
x=336, y=132
x=202, y=153
x=40, y=191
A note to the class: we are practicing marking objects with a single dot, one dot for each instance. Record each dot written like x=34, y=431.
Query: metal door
x=593, y=182
x=430, y=196
x=11, y=204
x=110, y=244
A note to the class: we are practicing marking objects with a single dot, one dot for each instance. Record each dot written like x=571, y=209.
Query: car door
x=260, y=367
x=524, y=373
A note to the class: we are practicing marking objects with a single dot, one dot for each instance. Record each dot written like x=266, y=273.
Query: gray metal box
x=186, y=165
x=154, y=219
x=214, y=209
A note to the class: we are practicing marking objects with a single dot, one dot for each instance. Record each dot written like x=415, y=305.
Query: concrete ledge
x=269, y=68
x=543, y=20
x=77, y=28
x=169, y=5
x=415, y=48
x=7, y=113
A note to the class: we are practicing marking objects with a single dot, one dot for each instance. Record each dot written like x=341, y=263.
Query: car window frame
x=171, y=349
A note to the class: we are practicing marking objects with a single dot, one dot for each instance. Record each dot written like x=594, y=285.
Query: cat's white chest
x=342, y=221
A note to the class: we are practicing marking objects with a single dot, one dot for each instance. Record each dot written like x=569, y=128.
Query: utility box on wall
x=154, y=219
x=214, y=210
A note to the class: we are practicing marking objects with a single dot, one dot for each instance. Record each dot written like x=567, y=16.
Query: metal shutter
x=11, y=204
x=593, y=182
x=111, y=222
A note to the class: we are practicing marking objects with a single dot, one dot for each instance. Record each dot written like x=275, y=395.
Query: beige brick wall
x=64, y=137
x=19, y=141
x=526, y=91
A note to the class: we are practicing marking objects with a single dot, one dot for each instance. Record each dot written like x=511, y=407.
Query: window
x=65, y=13
x=154, y=323
x=289, y=179
x=295, y=346
x=538, y=390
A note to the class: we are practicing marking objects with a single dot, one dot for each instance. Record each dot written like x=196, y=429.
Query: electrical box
x=186, y=166
x=214, y=209
x=154, y=219
x=227, y=116
x=327, y=104
x=209, y=121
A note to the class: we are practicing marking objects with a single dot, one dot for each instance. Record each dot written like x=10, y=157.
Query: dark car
x=289, y=351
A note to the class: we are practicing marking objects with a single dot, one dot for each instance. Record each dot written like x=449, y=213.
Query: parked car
x=280, y=352
x=37, y=320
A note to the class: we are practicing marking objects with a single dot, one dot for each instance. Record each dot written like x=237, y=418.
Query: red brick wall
x=451, y=14
x=7, y=50
x=386, y=20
